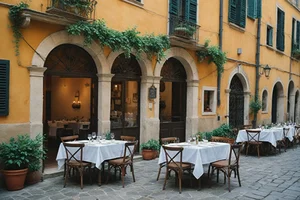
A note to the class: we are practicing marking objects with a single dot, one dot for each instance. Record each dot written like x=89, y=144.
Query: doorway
x=125, y=97
x=277, y=103
x=172, y=104
x=236, y=103
x=70, y=97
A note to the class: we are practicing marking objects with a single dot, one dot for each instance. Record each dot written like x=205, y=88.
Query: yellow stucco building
x=57, y=78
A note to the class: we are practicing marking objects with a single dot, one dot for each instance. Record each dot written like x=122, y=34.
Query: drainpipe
x=257, y=64
x=220, y=46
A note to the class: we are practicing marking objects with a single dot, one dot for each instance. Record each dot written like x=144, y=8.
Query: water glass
x=89, y=137
x=94, y=136
x=112, y=136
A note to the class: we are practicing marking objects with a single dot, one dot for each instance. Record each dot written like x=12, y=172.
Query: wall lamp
x=76, y=103
x=266, y=70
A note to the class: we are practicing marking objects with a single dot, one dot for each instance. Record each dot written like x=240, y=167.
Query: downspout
x=220, y=46
x=257, y=65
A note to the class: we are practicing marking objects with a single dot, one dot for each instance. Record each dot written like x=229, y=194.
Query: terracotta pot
x=33, y=177
x=148, y=154
x=231, y=140
x=14, y=179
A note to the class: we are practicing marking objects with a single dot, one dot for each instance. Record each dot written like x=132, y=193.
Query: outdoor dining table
x=94, y=152
x=271, y=135
x=199, y=154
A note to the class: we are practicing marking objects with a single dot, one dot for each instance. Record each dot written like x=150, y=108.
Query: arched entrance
x=290, y=102
x=172, y=104
x=277, y=103
x=297, y=107
x=125, y=97
x=236, y=103
x=70, y=95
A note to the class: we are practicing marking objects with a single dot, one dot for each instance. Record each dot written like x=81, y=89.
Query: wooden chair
x=283, y=142
x=66, y=139
x=165, y=141
x=228, y=166
x=127, y=138
x=247, y=126
x=73, y=161
x=253, y=139
x=219, y=139
x=297, y=134
x=171, y=164
x=123, y=162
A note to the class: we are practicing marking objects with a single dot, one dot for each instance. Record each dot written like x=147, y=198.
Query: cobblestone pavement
x=267, y=177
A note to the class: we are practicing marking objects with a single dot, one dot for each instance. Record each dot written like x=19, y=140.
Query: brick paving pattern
x=268, y=177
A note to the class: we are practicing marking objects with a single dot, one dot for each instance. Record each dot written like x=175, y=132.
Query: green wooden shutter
x=259, y=9
x=280, y=30
x=293, y=35
x=4, y=87
x=191, y=6
x=252, y=8
x=174, y=7
x=232, y=11
x=242, y=19
x=298, y=35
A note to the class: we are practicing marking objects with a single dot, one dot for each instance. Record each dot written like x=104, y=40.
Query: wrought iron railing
x=182, y=28
x=81, y=8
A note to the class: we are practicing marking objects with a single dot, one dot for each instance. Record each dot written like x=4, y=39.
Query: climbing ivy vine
x=128, y=41
x=214, y=54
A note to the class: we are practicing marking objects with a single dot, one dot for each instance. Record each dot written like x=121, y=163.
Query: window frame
x=6, y=74
x=279, y=8
x=241, y=21
x=269, y=27
x=213, y=100
x=266, y=101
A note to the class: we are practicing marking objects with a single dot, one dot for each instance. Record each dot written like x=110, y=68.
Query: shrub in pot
x=15, y=156
x=150, y=149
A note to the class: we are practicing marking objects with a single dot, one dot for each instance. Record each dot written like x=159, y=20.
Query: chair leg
x=132, y=171
x=166, y=177
x=179, y=179
x=258, y=150
x=247, y=149
x=229, y=174
x=90, y=174
x=238, y=175
x=108, y=173
x=81, y=177
x=99, y=177
x=123, y=174
x=158, y=172
x=217, y=175
x=66, y=175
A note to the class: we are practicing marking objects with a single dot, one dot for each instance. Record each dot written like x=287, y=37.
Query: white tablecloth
x=266, y=135
x=94, y=152
x=199, y=155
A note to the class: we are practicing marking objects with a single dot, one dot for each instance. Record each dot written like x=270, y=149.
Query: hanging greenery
x=128, y=41
x=16, y=21
x=214, y=54
x=255, y=105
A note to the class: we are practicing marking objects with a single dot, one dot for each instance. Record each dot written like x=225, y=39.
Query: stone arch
x=277, y=114
x=144, y=62
x=297, y=106
x=62, y=37
x=290, y=100
x=186, y=60
x=241, y=74
x=192, y=86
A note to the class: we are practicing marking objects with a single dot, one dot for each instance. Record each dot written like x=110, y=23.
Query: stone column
x=104, y=96
x=149, y=126
x=246, y=107
x=36, y=99
x=192, y=108
x=291, y=112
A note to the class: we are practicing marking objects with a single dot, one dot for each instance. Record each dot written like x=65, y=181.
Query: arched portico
x=291, y=101
x=37, y=70
x=192, y=87
x=240, y=73
x=277, y=103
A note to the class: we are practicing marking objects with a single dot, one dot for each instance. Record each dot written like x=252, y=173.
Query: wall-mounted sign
x=152, y=92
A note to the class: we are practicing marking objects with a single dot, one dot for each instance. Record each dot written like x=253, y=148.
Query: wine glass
x=89, y=137
x=94, y=136
x=112, y=136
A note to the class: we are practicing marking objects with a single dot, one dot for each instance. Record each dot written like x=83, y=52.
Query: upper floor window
x=254, y=9
x=237, y=12
x=295, y=34
x=184, y=9
x=209, y=100
x=269, y=35
x=280, y=30
x=4, y=87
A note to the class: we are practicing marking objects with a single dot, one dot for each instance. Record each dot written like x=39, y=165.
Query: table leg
x=99, y=177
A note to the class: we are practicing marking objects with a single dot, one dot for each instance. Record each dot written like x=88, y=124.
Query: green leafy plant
x=81, y=7
x=223, y=131
x=214, y=54
x=186, y=29
x=151, y=144
x=108, y=136
x=127, y=41
x=296, y=53
x=16, y=20
x=255, y=105
x=22, y=152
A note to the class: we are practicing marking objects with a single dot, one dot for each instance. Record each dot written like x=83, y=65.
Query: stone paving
x=267, y=177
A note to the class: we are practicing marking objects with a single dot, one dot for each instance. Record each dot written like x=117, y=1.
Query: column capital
x=192, y=83
x=247, y=92
x=105, y=77
x=150, y=79
x=227, y=90
x=35, y=71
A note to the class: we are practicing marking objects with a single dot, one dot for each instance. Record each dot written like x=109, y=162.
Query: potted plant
x=223, y=131
x=185, y=30
x=15, y=156
x=150, y=149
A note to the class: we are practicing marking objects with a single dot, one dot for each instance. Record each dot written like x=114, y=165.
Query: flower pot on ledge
x=149, y=154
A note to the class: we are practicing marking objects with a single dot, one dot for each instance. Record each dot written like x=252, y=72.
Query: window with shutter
x=174, y=7
x=259, y=9
x=298, y=35
x=280, y=30
x=237, y=12
x=269, y=35
x=252, y=9
x=191, y=6
x=4, y=87
x=294, y=27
